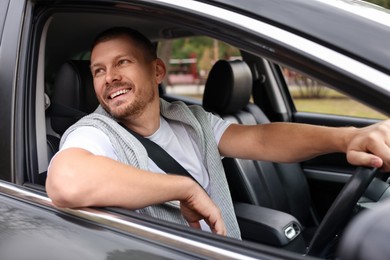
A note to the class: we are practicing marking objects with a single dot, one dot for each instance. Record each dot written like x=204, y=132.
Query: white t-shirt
x=172, y=137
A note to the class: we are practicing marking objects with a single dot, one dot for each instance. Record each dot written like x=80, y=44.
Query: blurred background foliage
x=206, y=51
x=384, y=3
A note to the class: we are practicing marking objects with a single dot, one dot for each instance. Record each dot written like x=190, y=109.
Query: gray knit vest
x=131, y=152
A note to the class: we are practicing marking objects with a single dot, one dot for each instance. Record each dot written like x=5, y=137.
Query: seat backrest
x=73, y=96
x=278, y=186
x=73, y=91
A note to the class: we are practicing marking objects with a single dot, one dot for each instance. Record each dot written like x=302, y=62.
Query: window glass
x=189, y=60
x=310, y=95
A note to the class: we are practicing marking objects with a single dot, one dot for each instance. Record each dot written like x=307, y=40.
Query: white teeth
x=119, y=92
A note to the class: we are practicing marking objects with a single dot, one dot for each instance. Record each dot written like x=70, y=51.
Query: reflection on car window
x=189, y=61
x=310, y=95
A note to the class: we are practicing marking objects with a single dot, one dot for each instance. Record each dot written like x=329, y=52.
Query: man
x=101, y=164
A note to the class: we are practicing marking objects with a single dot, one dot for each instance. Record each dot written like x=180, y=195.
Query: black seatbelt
x=160, y=157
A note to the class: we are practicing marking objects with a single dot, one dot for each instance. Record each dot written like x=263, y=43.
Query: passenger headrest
x=73, y=89
x=228, y=87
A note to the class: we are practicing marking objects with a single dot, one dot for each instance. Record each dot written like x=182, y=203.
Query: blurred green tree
x=204, y=48
x=384, y=3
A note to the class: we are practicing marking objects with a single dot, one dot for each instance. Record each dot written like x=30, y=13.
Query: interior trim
x=326, y=175
x=40, y=103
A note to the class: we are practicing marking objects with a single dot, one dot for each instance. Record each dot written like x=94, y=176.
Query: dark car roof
x=340, y=24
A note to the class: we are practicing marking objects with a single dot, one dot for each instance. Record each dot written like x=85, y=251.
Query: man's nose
x=112, y=75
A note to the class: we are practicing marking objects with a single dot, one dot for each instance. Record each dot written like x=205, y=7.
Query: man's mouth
x=118, y=93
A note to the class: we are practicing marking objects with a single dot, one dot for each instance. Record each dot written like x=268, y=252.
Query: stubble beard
x=133, y=109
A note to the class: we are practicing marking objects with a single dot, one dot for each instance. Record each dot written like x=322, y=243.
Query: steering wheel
x=340, y=211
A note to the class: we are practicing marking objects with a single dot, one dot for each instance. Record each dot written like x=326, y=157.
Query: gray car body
x=31, y=228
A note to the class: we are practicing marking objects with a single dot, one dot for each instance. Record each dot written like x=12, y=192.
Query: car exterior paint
x=29, y=221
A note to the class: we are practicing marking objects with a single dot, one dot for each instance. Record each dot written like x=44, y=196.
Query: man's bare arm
x=287, y=142
x=77, y=178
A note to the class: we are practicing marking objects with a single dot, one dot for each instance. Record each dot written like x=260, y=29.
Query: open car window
x=189, y=60
x=311, y=95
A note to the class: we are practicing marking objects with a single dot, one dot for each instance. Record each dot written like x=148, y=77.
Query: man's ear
x=160, y=70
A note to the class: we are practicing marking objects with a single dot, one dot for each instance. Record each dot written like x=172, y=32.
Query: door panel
x=313, y=102
x=327, y=174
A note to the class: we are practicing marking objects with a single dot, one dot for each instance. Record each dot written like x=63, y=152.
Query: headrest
x=228, y=87
x=73, y=89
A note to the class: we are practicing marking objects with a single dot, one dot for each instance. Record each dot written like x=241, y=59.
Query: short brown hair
x=136, y=36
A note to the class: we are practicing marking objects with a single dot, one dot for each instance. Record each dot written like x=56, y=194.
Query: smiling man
x=122, y=80
x=101, y=164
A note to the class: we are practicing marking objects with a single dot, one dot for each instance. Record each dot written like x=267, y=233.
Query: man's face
x=125, y=82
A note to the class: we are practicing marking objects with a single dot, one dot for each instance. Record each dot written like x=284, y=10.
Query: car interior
x=276, y=203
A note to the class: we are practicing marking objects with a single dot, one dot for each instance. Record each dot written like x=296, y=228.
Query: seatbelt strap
x=160, y=157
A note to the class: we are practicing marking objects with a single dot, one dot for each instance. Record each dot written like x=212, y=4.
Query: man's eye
x=98, y=72
x=121, y=62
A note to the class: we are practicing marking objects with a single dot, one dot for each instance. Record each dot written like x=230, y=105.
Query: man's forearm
x=287, y=142
x=79, y=179
x=283, y=142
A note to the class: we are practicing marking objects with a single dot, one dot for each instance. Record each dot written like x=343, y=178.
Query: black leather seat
x=278, y=186
x=73, y=96
x=73, y=92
